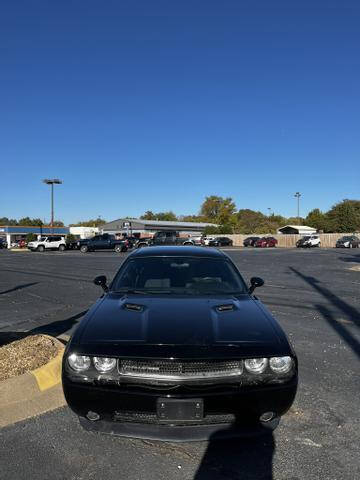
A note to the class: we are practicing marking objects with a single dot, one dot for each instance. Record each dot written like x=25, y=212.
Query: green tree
x=31, y=237
x=250, y=221
x=226, y=228
x=166, y=216
x=218, y=209
x=8, y=221
x=97, y=222
x=163, y=216
x=148, y=215
x=317, y=219
x=344, y=216
x=211, y=230
x=295, y=221
x=30, y=222
x=192, y=218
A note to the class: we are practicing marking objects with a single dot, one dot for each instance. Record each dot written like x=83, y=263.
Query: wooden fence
x=288, y=241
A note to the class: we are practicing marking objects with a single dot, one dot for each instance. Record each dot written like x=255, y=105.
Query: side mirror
x=255, y=282
x=101, y=280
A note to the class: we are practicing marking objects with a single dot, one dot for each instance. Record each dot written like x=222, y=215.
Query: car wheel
x=84, y=249
x=41, y=248
x=118, y=248
x=62, y=248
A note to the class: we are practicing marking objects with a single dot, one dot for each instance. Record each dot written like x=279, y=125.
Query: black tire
x=84, y=249
x=40, y=248
x=118, y=248
x=62, y=248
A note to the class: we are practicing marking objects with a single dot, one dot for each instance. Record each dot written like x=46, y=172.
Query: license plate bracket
x=180, y=409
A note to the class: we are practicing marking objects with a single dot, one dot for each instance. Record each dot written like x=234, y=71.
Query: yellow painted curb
x=49, y=375
x=32, y=393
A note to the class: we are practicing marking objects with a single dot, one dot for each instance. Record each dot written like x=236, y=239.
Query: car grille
x=144, y=417
x=179, y=370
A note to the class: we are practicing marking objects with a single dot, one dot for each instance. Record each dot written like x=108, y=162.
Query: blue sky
x=141, y=105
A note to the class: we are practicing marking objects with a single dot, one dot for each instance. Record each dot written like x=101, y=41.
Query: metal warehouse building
x=148, y=227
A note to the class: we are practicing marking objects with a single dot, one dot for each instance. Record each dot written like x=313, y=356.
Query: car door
x=106, y=241
x=96, y=243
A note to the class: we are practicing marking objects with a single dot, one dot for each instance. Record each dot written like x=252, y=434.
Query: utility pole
x=52, y=182
x=298, y=195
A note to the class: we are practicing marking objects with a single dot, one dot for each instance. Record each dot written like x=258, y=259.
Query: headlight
x=79, y=363
x=256, y=365
x=104, y=364
x=281, y=364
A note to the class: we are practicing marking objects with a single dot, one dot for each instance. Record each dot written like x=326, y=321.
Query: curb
x=19, y=250
x=32, y=393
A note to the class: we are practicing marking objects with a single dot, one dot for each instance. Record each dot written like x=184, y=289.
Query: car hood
x=184, y=321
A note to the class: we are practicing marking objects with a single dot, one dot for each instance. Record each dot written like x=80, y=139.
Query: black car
x=221, y=242
x=3, y=243
x=179, y=348
x=350, y=241
x=102, y=242
x=250, y=241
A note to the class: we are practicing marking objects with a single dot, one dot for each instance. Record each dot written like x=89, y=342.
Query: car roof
x=178, y=251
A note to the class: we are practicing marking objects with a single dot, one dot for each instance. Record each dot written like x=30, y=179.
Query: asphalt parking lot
x=315, y=295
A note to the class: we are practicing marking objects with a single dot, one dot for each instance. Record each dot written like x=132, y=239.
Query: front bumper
x=131, y=410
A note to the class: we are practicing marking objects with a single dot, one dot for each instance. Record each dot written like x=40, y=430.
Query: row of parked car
x=307, y=241
x=110, y=242
x=260, y=242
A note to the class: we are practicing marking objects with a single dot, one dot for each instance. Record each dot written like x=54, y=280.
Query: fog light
x=267, y=416
x=93, y=416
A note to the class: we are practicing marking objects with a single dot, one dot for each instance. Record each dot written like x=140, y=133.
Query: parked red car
x=266, y=242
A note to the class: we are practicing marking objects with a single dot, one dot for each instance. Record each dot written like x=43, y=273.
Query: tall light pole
x=298, y=195
x=52, y=182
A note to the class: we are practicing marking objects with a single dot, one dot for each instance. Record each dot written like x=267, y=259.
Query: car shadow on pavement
x=60, y=327
x=351, y=259
x=233, y=459
x=352, y=314
x=9, y=337
x=18, y=287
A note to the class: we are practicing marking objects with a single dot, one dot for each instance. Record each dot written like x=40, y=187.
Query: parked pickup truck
x=168, y=237
x=48, y=243
x=102, y=242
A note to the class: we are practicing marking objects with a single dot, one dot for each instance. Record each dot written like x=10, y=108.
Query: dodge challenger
x=179, y=348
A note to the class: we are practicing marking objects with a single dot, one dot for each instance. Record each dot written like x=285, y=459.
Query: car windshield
x=179, y=276
x=306, y=238
x=42, y=239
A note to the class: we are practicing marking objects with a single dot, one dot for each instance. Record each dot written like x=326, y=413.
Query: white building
x=84, y=232
x=297, y=230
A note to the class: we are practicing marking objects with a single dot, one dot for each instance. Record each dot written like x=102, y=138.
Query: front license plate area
x=175, y=409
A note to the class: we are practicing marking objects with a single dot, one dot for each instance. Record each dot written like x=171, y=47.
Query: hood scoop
x=228, y=307
x=133, y=307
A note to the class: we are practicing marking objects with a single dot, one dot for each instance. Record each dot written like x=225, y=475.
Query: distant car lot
x=314, y=293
